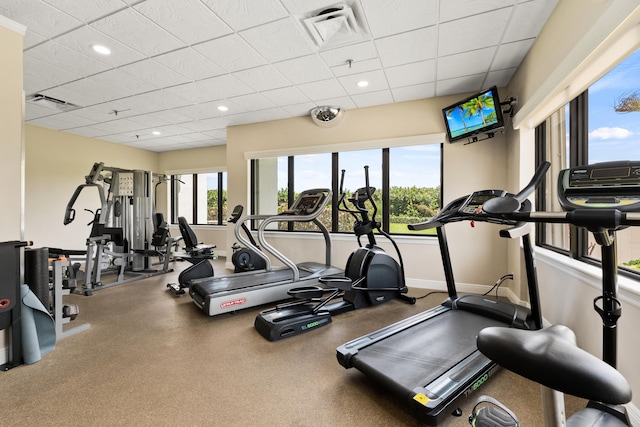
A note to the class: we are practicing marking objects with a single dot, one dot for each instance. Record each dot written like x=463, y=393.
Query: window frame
x=383, y=211
x=578, y=142
x=173, y=194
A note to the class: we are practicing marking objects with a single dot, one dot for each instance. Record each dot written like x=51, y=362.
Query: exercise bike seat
x=551, y=357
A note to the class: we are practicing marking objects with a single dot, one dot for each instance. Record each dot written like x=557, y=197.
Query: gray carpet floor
x=150, y=358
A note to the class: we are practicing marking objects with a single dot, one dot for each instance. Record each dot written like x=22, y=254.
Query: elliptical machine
x=372, y=277
x=245, y=259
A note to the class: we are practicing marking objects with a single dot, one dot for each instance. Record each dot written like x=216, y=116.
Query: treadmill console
x=473, y=204
x=608, y=185
x=306, y=204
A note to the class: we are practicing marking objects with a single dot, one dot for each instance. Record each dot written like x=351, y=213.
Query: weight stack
x=36, y=274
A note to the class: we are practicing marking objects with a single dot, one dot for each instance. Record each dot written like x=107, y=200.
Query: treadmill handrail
x=250, y=244
x=313, y=217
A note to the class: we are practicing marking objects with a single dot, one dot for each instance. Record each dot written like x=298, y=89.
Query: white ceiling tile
x=162, y=100
x=344, y=102
x=510, y=55
x=252, y=102
x=522, y=26
x=404, y=48
x=499, y=78
x=411, y=74
x=298, y=110
x=262, y=78
x=304, y=70
x=138, y=32
x=410, y=93
x=125, y=83
x=124, y=125
x=462, y=64
x=377, y=82
x=198, y=111
x=174, y=63
x=190, y=64
x=286, y=96
x=37, y=80
x=84, y=37
x=386, y=17
x=304, y=7
x=84, y=92
x=216, y=133
x=330, y=88
x=225, y=86
x=372, y=98
x=279, y=40
x=231, y=53
x=356, y=52
x=193, y=92
x=356, y=67
x=189, y=20
x=460, y=85
x=87, y=10
x=63, y=121
x=273, y=114
x=243, y=14
x=45, y=20
x=456, y=9
x=472, y=33
x=154, y=73
x=68, y=59
x=163, y=118
x=35, y=111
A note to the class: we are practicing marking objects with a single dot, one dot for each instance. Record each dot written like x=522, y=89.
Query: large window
x=599, y=125
x=407, y=181
x=200, y=197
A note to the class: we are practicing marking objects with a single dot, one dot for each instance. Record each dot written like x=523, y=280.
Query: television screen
x=476, y=114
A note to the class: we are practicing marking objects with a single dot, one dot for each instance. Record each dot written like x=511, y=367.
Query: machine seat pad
x=551, y=357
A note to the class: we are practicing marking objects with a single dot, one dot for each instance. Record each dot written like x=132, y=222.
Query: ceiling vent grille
x=333, y=26
x=51, y=103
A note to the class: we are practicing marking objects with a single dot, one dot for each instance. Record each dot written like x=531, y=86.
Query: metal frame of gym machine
x=217, y=295
x=122, y=227
x=430, y=360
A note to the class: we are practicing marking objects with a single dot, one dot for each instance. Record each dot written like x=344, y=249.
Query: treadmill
x=430, y=361
x=217, y=295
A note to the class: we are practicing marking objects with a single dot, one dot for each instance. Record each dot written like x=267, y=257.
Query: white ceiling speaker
x=327, y=117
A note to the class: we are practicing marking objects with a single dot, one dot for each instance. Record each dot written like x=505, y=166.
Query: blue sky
x=614, y=136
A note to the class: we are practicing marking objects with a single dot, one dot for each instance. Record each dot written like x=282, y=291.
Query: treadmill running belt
x=418, y=355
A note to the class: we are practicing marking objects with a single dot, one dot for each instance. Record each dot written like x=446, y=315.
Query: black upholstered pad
x=551, y=357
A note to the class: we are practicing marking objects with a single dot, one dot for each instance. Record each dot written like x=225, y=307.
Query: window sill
x=628, y=288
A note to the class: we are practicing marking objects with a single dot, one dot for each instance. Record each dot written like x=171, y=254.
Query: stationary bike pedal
x=494, y=414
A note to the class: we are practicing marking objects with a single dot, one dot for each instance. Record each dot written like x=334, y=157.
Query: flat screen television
x=479, y=113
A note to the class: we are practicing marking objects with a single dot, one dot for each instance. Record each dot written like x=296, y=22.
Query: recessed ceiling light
x=363, y=83
x=223, y=108
x=155, y=132
x=103, y=50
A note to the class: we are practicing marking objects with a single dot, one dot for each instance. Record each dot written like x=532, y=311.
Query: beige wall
x=11, y=145
x=467, y=168
x=56, y=163
x=11, y=107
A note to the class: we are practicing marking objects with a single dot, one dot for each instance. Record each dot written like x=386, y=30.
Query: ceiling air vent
x=334, y=26
x=52, y=103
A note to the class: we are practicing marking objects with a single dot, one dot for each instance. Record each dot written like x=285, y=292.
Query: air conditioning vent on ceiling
x=334, y=26
x=52, y=103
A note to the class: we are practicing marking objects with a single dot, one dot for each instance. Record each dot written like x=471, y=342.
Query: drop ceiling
x=174, y=62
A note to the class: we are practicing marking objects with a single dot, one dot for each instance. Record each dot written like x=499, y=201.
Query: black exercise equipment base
x=275, y=324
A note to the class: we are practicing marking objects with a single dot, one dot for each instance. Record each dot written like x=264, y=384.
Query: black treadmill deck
x=432, y=363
